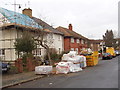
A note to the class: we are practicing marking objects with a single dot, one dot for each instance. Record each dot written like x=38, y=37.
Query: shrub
x=13, y=70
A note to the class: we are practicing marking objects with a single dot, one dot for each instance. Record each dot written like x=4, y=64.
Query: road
x=104, y=75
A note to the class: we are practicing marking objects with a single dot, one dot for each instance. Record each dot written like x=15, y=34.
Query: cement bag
x=65, y=57
x=75, y=68
x=62, y=67
x=72, y=54
x=77, y=59
x=83, y=59
x=71, y=60
x=43, y=69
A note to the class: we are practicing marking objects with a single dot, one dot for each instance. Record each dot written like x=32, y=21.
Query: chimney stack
x=27, y=12
x=70, y=27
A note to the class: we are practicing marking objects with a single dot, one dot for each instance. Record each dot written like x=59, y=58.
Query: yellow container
x=92, y=60
x=110, y=50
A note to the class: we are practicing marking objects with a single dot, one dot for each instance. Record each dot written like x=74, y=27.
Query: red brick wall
x=68, y=45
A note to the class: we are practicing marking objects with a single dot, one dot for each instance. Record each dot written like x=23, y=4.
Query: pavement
x=9, y=80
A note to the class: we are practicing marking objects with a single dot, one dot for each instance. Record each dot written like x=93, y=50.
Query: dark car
x=106, y=56
x=5, y=67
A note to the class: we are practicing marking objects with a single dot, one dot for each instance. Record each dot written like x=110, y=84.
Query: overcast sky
x=90, y=18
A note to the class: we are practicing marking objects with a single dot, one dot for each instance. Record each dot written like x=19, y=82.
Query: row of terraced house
x=13, y=24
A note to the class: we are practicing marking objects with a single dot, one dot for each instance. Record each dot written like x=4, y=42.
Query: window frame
x=72, y=40
x=72, y=49
x=77, y=41
x=2, y=52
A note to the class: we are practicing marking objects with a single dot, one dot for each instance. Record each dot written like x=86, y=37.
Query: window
x=2, y=52
x=72, y=40
x=72, y=49
x=78, y=41
x=91, y=45
x=82, y=41
x=76, y=50
x=37, y=52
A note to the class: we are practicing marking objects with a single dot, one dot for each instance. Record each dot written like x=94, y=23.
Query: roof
x=46, y=26
x=18, y=27
x=95, y=41
x=7, y=16
x=70, y=33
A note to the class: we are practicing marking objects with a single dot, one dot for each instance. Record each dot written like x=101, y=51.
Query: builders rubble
x=71, y=62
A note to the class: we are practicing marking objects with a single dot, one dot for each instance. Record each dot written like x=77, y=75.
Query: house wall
x=7, y=44
x=58, y=43
x=68, y=45
x=95, y=45
x=7, y=40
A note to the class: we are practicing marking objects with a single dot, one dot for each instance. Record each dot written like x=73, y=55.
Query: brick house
x=95, y=45
x=72, y=40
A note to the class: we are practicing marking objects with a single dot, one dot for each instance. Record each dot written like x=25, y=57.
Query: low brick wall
x=29, y=66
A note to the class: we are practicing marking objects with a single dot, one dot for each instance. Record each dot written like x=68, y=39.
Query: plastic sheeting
x=43, y=69
x=66, y=67
x=62, y=67
x=73, y=57
x=83, y=59
x=14, y=17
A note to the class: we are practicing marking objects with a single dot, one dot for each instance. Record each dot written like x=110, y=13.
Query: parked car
x=5, y=67
x=117, y=52
x=106, y=56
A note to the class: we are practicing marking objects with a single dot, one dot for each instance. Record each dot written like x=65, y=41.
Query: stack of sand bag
x=71, y=62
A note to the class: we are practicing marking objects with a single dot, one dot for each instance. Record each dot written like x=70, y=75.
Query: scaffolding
x=7, y=18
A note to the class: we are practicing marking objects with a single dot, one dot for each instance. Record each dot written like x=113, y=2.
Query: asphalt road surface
x=104, y=75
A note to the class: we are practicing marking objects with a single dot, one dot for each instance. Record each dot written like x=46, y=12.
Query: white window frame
x=82, y=41
x=91, y=45
x=37, y=52
x=72, y=49
x=77, y=41
x=72, y=40
x=2, y=52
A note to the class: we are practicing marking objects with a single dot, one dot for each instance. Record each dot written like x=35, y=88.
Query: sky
x=90, y=18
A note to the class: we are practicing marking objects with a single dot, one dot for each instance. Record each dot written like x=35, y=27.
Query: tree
x=109, y=39
x=25, y=44
x=44, y=38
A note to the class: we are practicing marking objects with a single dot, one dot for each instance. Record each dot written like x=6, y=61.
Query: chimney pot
x=70, y=27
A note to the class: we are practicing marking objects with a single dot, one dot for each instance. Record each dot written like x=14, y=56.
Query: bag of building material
x=75, y=68
x=66, y=67
x=83, y=59
x=65, y=57
x=72, y=54
x=43, y=69
x=62, y=67
x=76, y=59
